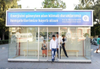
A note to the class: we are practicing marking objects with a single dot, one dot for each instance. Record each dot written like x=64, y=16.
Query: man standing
x=59, y=41
x=53, y=47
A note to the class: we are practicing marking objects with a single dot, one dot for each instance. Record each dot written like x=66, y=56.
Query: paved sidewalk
x=4, y=64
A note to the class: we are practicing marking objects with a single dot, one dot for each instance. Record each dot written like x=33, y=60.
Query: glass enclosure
x=26, y=43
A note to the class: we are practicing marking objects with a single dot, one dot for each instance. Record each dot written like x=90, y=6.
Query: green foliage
x=91, y=5
x=4, y=41
x=95, y=30
x=63, y=33
x=53, y=4
x=5, y=5
x=96, y=13
x=84, y=5
x=86, y=34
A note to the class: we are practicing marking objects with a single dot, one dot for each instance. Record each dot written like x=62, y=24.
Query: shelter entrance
x=45, y=35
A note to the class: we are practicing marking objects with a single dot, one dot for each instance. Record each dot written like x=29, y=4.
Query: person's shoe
x=45, y=56
x=52, y=61
x=96, y=52
x=57, y=56
x=67, y=56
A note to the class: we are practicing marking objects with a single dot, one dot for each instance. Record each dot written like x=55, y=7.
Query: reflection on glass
x=51, y=31
x=43, y=43
x=32, y=41
x=74, y=44
x=13, y=43
x=23, y=43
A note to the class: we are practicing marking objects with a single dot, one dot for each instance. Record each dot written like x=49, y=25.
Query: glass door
x=45, y=35
x=43, y=44
x=51, y=31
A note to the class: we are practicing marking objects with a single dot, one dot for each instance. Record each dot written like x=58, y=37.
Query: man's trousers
x=53, y=54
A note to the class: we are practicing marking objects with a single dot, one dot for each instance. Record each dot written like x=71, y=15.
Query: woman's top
x=63, y=41
x=98, y=41
x=44, y=46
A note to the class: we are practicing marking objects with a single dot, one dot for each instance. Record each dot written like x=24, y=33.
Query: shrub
x=4, y=41
x=86, y=34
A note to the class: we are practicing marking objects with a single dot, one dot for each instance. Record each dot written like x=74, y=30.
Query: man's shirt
x=59, y=40
x=53, y=44
x=98, y=39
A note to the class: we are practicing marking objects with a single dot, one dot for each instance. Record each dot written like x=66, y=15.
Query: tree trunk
x=3, y=36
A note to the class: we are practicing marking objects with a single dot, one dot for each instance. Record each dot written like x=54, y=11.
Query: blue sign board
x=49, y=18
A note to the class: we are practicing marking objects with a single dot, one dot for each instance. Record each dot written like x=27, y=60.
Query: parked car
x=94, y=41
x=90, y=40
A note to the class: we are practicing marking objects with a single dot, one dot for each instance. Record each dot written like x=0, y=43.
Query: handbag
x=41, y=48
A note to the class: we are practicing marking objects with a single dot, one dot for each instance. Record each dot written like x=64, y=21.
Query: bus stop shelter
x=29, y=27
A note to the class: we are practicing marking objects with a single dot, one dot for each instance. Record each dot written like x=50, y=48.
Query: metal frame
x=47, y=43
x=89, y=61
x=38, y=41
x=27, y=43
x=59, y=40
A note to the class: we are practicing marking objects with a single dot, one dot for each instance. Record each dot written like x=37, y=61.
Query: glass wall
x=74, y=44
x=32, y=43
x=13, y=42
x=28, y=42
x=23, y=43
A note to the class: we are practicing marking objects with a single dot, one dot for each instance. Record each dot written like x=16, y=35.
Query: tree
x=53, y=4
x=5, y=5
x=90, y=4
x=93, y=5
x=85, y=4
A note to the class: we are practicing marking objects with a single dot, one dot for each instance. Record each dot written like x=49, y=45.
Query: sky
x=70, y=4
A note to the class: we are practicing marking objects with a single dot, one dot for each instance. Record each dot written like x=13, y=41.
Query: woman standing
x=63, y=45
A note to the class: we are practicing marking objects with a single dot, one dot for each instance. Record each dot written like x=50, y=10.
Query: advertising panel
x=49, y=18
